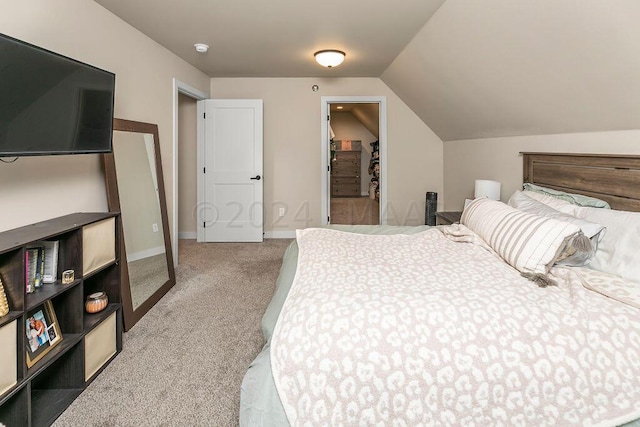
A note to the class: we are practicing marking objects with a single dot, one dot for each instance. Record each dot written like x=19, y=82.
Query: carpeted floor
x=183, y=363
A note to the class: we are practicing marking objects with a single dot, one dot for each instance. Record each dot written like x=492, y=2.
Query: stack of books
x=41, y=264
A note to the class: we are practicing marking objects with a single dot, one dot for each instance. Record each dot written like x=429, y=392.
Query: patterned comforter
x=430, y=329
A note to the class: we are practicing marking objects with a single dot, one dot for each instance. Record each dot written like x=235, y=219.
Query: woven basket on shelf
x=4, y=304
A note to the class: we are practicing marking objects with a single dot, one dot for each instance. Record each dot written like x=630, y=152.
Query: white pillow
x=593, y=231
x=619, y=250
x=530, y=243
x=521, y=200
x=576, y=199
x=557, y=204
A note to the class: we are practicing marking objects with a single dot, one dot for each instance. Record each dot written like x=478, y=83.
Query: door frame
x=324, y=149
x=190, y=91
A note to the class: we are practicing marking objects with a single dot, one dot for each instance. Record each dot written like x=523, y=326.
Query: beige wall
x=498, y=158
x=33, y=188
x=346, y=126
x=187, y=166
x=292, y=147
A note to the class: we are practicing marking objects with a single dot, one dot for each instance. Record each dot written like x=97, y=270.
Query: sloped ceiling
x=468, y=68
x=366, y=113
x=496, y=68
x=277, y=38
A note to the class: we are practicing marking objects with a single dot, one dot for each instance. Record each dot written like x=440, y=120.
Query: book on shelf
x=41, y=263
x=34, y=264
x=50, y=266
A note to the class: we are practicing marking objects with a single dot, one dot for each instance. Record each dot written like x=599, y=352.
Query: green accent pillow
x=576, y=199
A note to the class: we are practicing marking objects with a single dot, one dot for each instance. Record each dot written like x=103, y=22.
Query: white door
x=230, y=207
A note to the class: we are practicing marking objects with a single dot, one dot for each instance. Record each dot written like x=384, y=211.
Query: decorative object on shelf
x=4, y=304
x=67, y=277
x=42, y=331
x=96, y=302
x=487, y=188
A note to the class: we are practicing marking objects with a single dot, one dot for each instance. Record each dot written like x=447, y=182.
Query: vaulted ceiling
x=469, y=69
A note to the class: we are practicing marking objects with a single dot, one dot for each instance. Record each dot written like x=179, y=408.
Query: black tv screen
x=51, y=104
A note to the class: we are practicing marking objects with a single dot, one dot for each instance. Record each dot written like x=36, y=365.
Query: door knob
x=257, y=177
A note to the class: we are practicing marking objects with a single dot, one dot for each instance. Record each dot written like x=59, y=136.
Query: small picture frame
x=42, y=332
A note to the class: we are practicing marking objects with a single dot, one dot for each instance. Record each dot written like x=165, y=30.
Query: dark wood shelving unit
x=40, y=393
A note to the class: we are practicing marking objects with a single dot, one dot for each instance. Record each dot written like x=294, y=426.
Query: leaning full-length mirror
x=133, y=174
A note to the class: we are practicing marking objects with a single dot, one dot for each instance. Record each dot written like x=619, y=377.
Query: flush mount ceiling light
x=329, y=58
x=201, y=47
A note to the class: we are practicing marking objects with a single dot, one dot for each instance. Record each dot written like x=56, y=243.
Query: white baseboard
x=283, y=234
x=364, y=194
x=187, y=235
x=145, y=254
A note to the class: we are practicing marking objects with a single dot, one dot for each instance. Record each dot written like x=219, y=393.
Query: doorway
x=354, y=160
x=354, y=189
x=191, y=92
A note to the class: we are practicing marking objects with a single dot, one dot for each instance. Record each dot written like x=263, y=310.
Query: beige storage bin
x=99, y=345
x=8, y=356
x=98, y=245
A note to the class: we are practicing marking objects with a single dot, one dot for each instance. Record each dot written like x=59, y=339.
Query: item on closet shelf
x=332, y=147
x=67, y=277
x=4, y=304
x=96, y=302
x=374, y=170
x=373, y=186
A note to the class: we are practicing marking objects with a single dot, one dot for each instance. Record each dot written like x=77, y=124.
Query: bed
x=452, y=354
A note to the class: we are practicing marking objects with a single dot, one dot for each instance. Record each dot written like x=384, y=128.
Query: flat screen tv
x=51, y=104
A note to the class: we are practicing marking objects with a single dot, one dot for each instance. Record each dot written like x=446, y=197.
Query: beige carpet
x=183, y=363
x=354, y=210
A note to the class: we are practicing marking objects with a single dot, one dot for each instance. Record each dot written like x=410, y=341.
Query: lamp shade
x=487, y=188
x=329, y=58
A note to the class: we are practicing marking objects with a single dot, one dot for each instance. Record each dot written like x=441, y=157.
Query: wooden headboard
x=610, y=177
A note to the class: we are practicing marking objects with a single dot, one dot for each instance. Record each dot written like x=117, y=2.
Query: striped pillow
x=528, y=242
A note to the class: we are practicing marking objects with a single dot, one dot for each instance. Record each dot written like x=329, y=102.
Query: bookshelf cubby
x=36, y=395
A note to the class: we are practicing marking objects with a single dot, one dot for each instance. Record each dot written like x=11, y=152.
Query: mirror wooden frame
x=131, y=315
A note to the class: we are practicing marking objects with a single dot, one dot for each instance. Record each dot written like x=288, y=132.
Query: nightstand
x=446, y=218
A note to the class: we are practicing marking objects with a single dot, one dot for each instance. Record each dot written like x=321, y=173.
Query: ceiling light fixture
x=329, y=57
x=201, y=47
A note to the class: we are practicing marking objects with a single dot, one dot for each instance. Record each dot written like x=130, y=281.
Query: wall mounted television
x=51, y=104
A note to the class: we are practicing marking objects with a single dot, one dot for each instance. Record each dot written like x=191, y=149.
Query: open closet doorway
x=184, y=120
x=354, y=190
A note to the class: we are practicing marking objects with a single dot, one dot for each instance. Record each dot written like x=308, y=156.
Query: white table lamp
x=487, y=188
